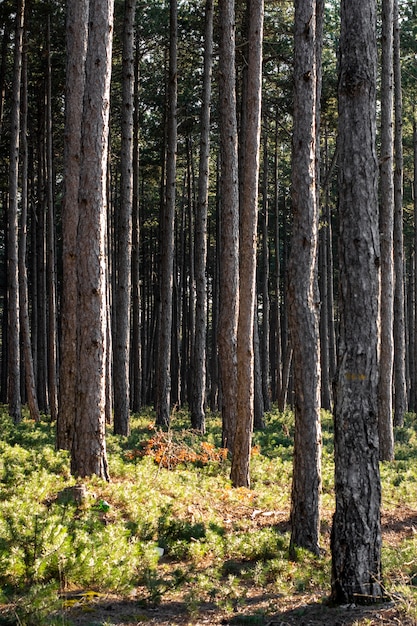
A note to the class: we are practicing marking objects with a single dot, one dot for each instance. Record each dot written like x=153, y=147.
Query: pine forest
x=208, y=312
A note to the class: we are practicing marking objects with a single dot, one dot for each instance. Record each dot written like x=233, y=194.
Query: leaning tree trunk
x=356, y=532
x=303, y=297
x=386, y=224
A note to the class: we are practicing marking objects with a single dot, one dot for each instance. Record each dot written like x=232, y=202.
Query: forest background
x=145, y=364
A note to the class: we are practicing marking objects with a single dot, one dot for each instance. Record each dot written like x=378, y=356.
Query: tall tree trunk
x=277, y=352
x=136, y=385
x=200, y=243
x=400, y=398
x=386, y=217
x=23, y=279
x=303, y=297
x=121, y=346
x=14, y=397
x=229, y=223
x=163, y=403
x=266, y=309
x=88, y=453
x=251, y=131
x=76, y=33
x=356, y=532
x=50, y=250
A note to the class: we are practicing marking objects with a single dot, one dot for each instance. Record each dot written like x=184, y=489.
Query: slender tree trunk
x=50, y=255
x=14, y=397
x=266, y=309
x=229, y=223
x=23, y=279
x=400, y=398
x=200, y=243
x=247, y=249
x=88, y=453
x=303, y=297
x=76, y=32
x=136, y=385
x=386, y=217
x=163, y=404
x=121, y=347
x=356, y=532
x=277, y=278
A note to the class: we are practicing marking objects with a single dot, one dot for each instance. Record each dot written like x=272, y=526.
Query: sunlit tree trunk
x=356, y=531
x=88, y=452
x=240, y=474
x=303, y=297
x=76, y=33
x=229, y=223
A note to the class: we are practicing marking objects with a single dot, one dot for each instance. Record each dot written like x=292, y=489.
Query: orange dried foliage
x=168, y=453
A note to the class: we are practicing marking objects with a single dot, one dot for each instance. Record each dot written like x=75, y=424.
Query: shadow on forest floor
x=259, y=610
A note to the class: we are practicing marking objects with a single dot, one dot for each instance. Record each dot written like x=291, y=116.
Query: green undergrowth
x=170, y=522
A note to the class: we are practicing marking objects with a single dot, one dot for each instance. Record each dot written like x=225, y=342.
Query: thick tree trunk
x=88, y=453
x=121, y=345
x=229, y=223
x=356, y=532
x=76, y=31
x=303, y=297
x=386, y=222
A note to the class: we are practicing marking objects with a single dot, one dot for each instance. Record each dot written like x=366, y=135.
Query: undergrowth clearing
x=169, y=541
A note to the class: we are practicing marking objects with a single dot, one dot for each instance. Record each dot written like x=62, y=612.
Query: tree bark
x=23, y=279
x=76, y=33
x=229, y=223
x=303, y=297
x=240, y=475
x=356, y=532
x=400, y=386
x=88, y=453
x=14, y=397
x=386, y=217
x=200, y=243
x=163, y=404
x=121, y=346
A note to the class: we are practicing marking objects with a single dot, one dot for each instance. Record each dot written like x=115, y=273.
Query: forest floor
x=261, y=606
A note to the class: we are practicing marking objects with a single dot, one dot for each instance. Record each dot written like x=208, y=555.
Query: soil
x=259, y=607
